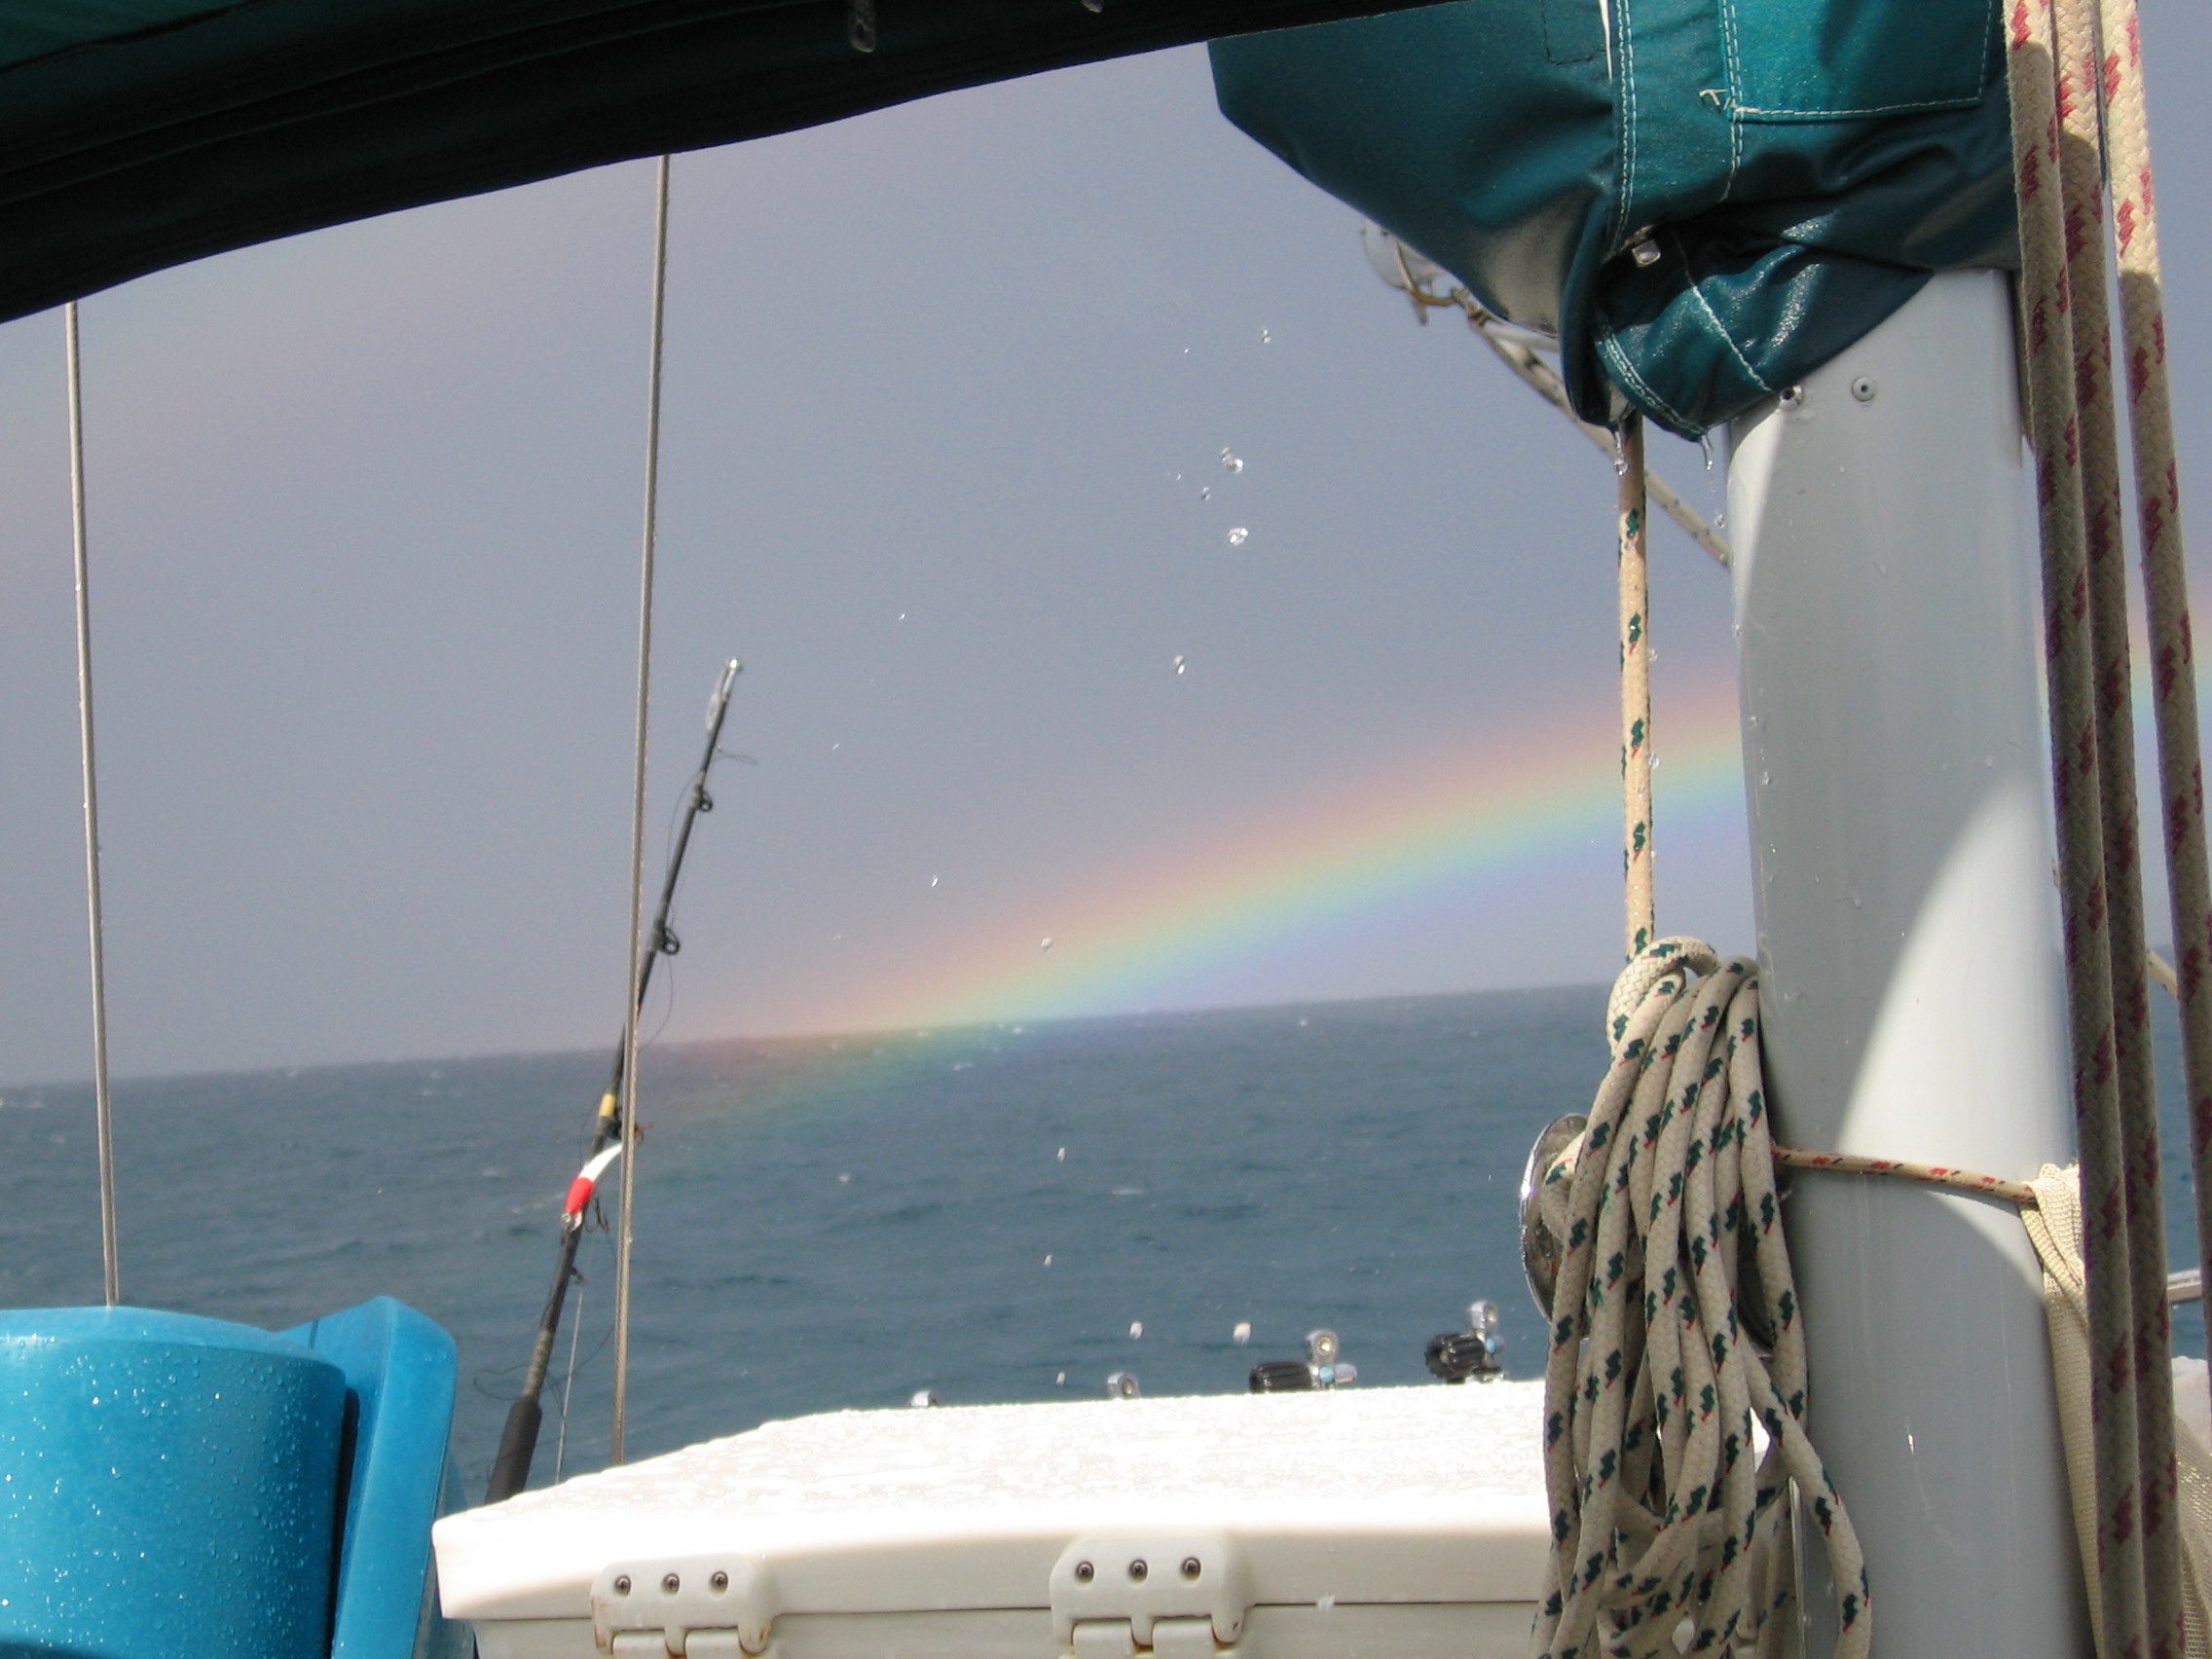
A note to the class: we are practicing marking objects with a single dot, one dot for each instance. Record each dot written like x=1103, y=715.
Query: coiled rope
x=1671, y=1439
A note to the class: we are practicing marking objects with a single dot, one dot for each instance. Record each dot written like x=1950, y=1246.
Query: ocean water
x=992, y=1212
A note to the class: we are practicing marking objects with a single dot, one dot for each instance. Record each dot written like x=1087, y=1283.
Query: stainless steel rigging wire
x=103, y=1116
x=623, y=1238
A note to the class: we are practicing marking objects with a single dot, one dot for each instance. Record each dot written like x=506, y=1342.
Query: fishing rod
x=518, y=1444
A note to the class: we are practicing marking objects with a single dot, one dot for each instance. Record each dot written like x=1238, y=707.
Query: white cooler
x=1380, y=1523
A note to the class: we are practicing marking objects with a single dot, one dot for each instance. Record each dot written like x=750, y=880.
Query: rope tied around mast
x=1675, y=1393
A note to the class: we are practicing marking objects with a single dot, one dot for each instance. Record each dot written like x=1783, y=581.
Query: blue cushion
x=399, y=1379
x=168, y=1487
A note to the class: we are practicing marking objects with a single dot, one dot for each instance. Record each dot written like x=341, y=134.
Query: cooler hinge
x=1149, y=1595
x=708, y=1607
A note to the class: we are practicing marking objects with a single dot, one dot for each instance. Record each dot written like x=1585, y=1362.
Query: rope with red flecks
x=2157, y=497
x=2058, y=173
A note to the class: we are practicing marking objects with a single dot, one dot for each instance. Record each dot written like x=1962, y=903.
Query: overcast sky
x=944, y=387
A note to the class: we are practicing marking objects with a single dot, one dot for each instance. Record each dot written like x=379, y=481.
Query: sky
x=952, y=393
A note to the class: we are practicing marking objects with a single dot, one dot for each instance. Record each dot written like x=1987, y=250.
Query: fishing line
x=569, y=1379
x=625, y=1237
x=102, y=1116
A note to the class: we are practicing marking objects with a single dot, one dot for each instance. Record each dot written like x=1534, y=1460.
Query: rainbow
x=1143, y=935
x=1501, y=811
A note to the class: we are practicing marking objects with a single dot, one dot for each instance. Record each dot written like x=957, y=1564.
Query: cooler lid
x=1101, y=1509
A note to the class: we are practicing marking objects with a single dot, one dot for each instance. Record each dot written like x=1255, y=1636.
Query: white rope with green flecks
x=1668, y=1509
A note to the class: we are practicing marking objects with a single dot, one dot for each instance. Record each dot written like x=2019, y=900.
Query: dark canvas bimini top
x=139, y=134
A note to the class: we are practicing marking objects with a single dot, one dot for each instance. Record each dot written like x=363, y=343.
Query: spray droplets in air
x=1231, y=462
x=1045, y=943
x=1239, y=536
x=1178, y=665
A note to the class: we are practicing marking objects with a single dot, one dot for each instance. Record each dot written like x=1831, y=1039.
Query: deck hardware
x=1280, y=1376
x=1863, y=389
x=1457, y=1355
x=1201, y=1609
x=1540, y=1252
x=718, y=1603
x=860, y=24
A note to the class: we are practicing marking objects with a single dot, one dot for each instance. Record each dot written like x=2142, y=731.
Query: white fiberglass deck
x=1376, y=1521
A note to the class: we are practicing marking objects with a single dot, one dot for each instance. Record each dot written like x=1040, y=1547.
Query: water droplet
x=1704, y=447
x=1857, y=903
x=1237, y=536
x=902, y=616
x=1046, y=943
x=1765, y=778
x=932, y=881
x=1266, y=339
x=1230, y=462
x=1136, y=1328
x=1178, y=665
x=1060, y=1379
x=1206, y=492
x=1048, y=1260
x=1720, y=521
x=845, y=1179
x=1063, y=1154
x=1243, y=1334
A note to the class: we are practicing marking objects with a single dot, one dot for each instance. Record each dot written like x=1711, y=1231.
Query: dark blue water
x=841, y=1224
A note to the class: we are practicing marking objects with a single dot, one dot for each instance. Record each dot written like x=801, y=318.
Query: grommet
x=1085, y=1572
x=622, y=1585
x=1191, y=1567
x=1137, y=1569
x=672, y=1584
x=719, y=1583
x=1863, y=389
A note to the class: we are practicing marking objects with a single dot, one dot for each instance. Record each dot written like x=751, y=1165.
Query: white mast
x=1894, y=757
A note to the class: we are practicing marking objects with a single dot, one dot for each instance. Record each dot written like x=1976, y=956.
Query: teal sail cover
x=141, y=134
x=1704, y=200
